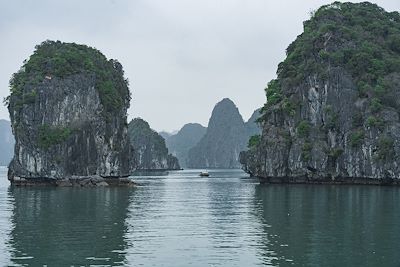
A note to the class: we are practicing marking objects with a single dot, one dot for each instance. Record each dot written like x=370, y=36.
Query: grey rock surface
x=332, y=123
x=251, y=125
x=187, y=137
x=226, y=136
x=327, y=152
x=150, y=151
x=63, y=129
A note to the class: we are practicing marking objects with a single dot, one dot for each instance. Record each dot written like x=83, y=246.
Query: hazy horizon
x=181, y=57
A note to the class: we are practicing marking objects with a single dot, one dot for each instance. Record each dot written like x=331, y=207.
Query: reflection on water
x=330, y=225
x=141, y=173
x=234, y=234
x=59, y=226
x=181, y=219
x=193, y=221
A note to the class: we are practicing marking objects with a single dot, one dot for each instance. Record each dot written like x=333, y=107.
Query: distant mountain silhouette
x=187, y=137
x=227, y=135
x=7, y=142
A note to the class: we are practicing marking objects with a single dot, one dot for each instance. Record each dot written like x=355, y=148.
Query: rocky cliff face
x=68, y=108
x=150, y=152
x=252, y=125
x=6, y=143
x=187, y=137
x=226, y=136
x=332, y=115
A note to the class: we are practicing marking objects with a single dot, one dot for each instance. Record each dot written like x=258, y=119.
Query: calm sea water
x=181, y=219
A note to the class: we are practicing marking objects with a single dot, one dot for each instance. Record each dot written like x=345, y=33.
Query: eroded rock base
x=75, y=181
x=330, y=181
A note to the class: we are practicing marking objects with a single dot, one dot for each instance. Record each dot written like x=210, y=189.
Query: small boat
x=204, y=174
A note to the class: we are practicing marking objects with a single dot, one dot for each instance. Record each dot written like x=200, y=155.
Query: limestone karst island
x=332, y=113
x=200, y=133
x=68, y=108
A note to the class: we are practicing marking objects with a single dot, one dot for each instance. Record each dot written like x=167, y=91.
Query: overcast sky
x=181, y=56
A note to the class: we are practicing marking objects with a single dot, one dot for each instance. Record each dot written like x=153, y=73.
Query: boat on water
x=204, y=174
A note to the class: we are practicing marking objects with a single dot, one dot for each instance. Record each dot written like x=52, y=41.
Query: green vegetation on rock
x=273, y=93
x=385, y=150
x=375, y=104
x=55, y=59
x=331, y=118
x=361, y=38
x=356, y=138
x=254, y=141
x=303, y=129
x=289, y=106
x=373, y=121
x=52, y=135
x=306, y=151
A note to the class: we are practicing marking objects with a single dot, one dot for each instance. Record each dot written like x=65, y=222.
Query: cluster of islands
x=331, y=115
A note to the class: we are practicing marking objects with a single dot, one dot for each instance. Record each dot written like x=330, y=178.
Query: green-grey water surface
x=181, y=219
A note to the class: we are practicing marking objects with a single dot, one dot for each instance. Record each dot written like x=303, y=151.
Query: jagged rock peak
x=226, y=136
